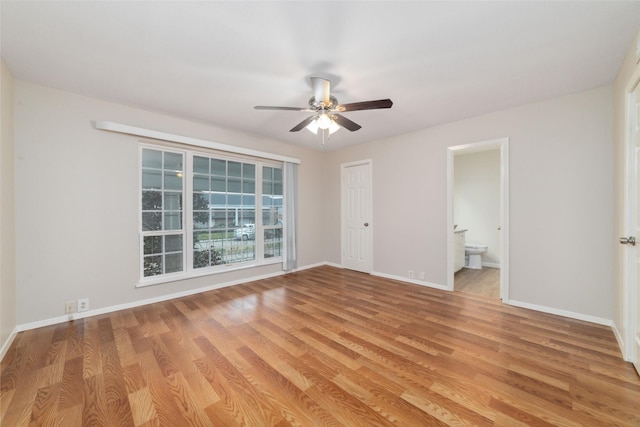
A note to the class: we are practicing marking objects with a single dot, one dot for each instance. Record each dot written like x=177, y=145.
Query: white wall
x=76, y=188
x=77, y=202
x=476, y=200
x=560, y=200
x=7, y=213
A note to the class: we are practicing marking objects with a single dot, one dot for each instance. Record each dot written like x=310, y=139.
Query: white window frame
x=162, y=232
x=187, y=216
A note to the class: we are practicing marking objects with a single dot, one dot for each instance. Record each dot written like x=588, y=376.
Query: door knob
x=366, y=224
x=628, y=240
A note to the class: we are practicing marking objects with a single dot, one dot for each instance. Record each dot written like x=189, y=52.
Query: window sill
x=168, y=278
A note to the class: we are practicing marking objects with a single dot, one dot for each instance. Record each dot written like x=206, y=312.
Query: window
x=224, y=211
x=201, y=213
x=162, y=190
x=272, y=211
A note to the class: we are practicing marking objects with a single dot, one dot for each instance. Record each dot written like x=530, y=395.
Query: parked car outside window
x=248, y=232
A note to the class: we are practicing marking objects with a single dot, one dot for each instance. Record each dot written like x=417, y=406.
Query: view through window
x=201, y=212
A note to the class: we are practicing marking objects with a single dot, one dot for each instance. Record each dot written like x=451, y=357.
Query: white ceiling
x=213, y=61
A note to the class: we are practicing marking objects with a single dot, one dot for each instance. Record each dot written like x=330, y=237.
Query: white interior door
x=356, y=217
x=635, y=306
x=632, y=259
x=635, y=315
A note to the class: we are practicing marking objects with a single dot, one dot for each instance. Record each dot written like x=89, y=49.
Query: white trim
x=139, y=303
x=104, y=310
x=563, y=313
x=503, y=145
x=317, y=264
x=186, y=197
x=332, y=264
x=8, y=342
x=210, y=271
x=504, y=216
x=491, y=264
x=163, y=136
x=451, y=244
x=412, y=281
x=618, y=336
x=357, y=163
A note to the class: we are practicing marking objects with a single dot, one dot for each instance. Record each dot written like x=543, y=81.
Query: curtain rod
x=154, y=134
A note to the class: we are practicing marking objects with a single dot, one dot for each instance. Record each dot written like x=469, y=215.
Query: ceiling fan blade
x=365, y=105
x=303, y=124
x=265, y=107
x=345, y=123
x=321, y=90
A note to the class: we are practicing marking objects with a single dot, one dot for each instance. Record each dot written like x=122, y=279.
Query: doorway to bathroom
x=478, y=218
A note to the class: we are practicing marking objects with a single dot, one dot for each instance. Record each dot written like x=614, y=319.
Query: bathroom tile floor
x=484, y=282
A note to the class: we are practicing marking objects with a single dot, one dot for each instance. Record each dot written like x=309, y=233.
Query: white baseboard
x=413, y=281
x=564, y=313
x=8, y=342
x=103, y=310
x=491, y=264
x=621, y=344
x=387, y=276
x=319, y=264
x=333, y=264
x=133, y=304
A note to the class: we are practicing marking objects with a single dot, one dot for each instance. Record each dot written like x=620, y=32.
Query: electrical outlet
x=70, y=307
x=83, y=304
x=422, y=275
x=410, y=274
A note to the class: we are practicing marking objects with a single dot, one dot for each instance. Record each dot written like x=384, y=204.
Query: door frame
x=369, y=207
x=629, y=258
x=503, y=145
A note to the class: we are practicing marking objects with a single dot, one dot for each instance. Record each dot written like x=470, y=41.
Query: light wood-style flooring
x=321, y=347
x=483, y=282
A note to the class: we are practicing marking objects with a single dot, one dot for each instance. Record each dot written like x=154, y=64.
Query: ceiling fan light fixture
x=313, y=126
x=333, y=127
x=323, y=121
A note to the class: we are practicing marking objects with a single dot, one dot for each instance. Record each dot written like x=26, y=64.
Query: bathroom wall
x=476, y=200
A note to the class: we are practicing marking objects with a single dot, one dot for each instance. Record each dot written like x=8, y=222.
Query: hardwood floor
x=321, y=347
x=484, y=282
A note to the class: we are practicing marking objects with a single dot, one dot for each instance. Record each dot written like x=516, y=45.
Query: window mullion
x=259, y=239
x=187, y=212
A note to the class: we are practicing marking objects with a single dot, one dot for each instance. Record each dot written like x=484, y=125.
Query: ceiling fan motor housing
x=321, y=105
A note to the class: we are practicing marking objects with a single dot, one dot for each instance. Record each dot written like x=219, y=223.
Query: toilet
x=474, y=252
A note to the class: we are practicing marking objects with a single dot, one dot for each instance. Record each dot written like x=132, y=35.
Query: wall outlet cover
x=70, y=307
x=83, y=304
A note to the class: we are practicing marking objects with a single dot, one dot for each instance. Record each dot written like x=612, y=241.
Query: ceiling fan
x=327, y=110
